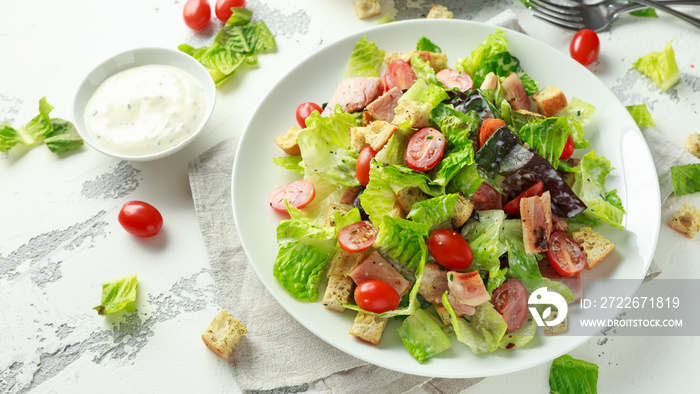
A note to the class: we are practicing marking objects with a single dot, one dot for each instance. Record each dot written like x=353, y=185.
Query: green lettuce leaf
x=291, y=163
x=590, y=188
x=63, y=136
x=365, y=61
x=9, y=137
x=466, y=181
x=422, y=336
x=572, y=376
x=686, y=179
x=451, y=164
x=423, y=70
x=484, y=330
x=386, y=18
x=118, y=294
x=484, y=239
x=435, y=212
x=502, y=64
x=433, y=95
x=645, y=13
x=549, y=136
x=661, y=67
x=394, y=152
x=341, y=221
x=492, y=45
x=641, y=115
x=521, y=336
x=579, y=111
x=239, y=16
x=424, y=44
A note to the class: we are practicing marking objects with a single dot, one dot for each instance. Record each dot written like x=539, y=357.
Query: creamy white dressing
x=145, y=110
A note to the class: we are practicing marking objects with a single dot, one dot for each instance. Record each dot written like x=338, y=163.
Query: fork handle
x=692, y=20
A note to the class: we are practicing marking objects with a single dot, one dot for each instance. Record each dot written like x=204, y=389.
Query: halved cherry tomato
x=196, y=14
x=488, y=127
x=425, y=149
x=298, y=193
x=376, y=296
x=568, y=149
x=585, y=46
x=510, y=300
x=363, y=164
x=399, y=74
x=223, y=8
x=304, y=110
x=140, y=219
x=513, y=207
x=450, y=250
x=452, y=78
x=565, y=255
x=357, y=236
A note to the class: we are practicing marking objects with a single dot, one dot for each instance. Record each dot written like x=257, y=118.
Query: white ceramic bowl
x=133, y=58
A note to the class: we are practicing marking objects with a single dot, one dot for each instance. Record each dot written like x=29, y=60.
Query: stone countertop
x=60, y=239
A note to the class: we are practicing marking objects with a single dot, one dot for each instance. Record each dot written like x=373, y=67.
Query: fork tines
x=562, y=16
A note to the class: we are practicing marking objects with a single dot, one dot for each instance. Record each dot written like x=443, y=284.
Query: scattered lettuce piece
x=641, y=115
x=63, y=137
x=569, y=375
x=365, y=61
x=484, y=330
x=579, y=111
x=289, y=162
x=118, y=294
x=661, y=67
x=386, y=18
x=686, y=179
x=424, y=44
x=590, y=187
x=492, y=45
x=645, y=13
x=422, y=336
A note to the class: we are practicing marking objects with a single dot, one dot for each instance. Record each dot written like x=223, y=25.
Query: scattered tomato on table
x=140, y=219
x=585, y=46
x=196, y=14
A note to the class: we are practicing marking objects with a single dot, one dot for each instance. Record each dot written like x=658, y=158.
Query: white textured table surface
x=60, y=239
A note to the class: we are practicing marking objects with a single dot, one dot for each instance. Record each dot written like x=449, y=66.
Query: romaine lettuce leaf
x=484, y=330
x=341, y=221
x=62, y=137
x=590, y=187
x=394, y=152
x=484, y=239
x=422, y=336
x=424, y=44
x=579, y=111
x=686, y=179
x=423, y=70
x=435, y=212
x=433, y=95
x=521, y=336
x=118, y=294
x=466, y=181
x=9, y=137
x=451, y=164
x=291, y=163
x=502, y=64
x=492, y=45
x=572, y=376
x=549, y=136
x=661, y=67
x=365, y=61
x=641, y=115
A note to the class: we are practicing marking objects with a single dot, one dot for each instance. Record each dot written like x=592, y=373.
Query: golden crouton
x=561, y=328
x=686, y=220
x=408, y=196
x=376, y=135
x=338, y=290
x=368, y=327
x=444, y=314
x=223, y=334
x=594, y=246
x=692, y=144
x=288, y=141
x=439, y=12
x=396, y=212
x=329, y=214
x=549, y=100
x=342, y=263
x=417, y=114
x=367, y=8
x=438, y=61
x=462, y=212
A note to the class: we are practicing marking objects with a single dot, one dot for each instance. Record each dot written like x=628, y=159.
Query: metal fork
x=598, y=17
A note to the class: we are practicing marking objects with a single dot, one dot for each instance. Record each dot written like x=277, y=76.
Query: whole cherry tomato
x=223, y=8
x=376, y=296
x=585, y=46
x=196, y=14
x=140, y=219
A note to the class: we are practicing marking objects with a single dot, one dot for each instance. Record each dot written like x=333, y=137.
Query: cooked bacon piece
x=376, y=268
x=559, y=224
x=572, y=282
x=383, y=107
x=350, y=194
x=515, y=93
x=459, y=307
x=467, y=288
x=434, y=283
x=485, y=198
x=536, y=213
x=353, y=94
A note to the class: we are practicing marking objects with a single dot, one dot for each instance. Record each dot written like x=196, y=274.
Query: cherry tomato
x=140, y=219
x=425, y=149
x=488, y=127
x=450, y=250
x=196, y=14
x=399, y=74
x=585, y=46
x=304, y=110
x=451, y=78
x=357, y=236
x=568, y=149
x=298, y=193
x=223, y=8
x=513, y=207
x=565, y=255
x=363, y=164
x=510, y=300
x=376, y=296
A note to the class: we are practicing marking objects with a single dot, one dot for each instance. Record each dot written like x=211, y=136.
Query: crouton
x=549, y=100
x=686, y=220
x=561, y=328
x=366, y=118
x=439, y=12
x=594, y=246
x=367, y=8
x=396, y=212
x=368, y=327
x=338, y=290
x=417, y=114
x=223, y=334
x=329, y=214
x=692, y=144
x=463, y=210
x=438, y=61
x=342, y=263
x=408, y=196
x=288, y=141
x=444, y=314
x=530, y=115
x=376, y=135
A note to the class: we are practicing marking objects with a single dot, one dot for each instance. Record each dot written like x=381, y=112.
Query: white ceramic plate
x=612, y=132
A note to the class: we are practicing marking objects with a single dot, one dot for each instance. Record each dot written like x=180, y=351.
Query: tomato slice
x=513, y=207
x=488, y=127
x=565, y=255
x=510, y=300
x=568, y=149
x=376, y=296
x=304, y=110
x=298, y=193
x=452, y=78
x=425, y=149
x=357, y=236
x=399, y=74
x=450, y=250
x=363, y=164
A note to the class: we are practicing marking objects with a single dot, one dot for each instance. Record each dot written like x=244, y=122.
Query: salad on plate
x=441, y=196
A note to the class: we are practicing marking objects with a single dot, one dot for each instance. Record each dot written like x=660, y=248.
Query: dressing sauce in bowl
x=145, y=109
